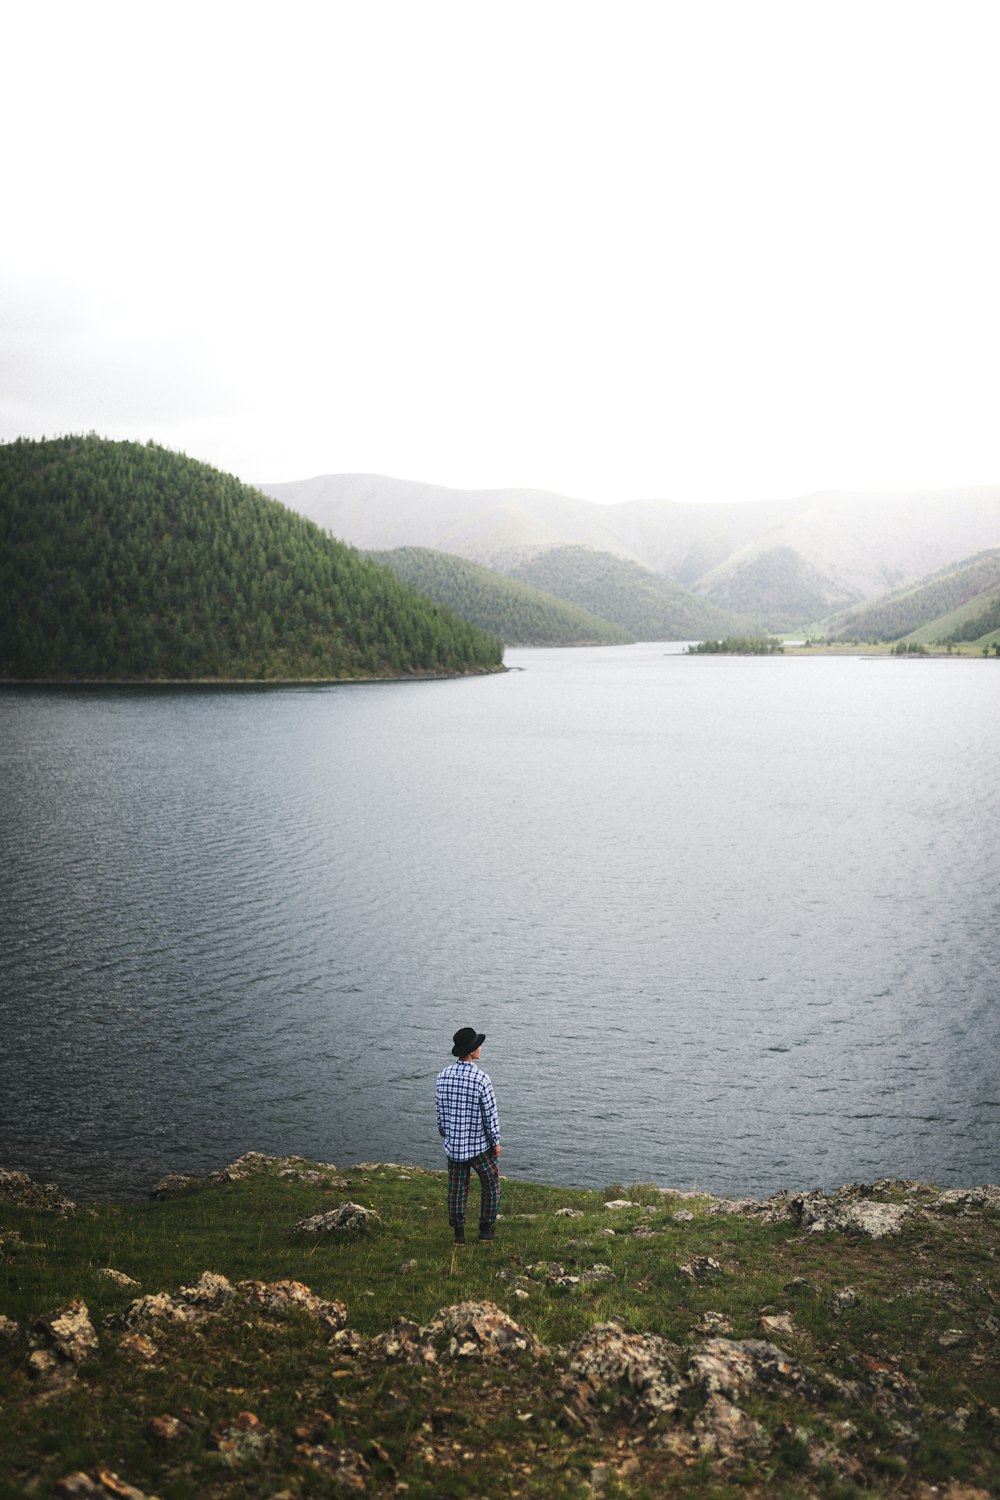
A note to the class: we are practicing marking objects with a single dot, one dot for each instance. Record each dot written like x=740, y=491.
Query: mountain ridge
x=787, y=562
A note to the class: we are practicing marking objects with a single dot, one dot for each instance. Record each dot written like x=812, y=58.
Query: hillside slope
x=971, y=588
x=119, y=561
x=518, y=614
x=653, y=608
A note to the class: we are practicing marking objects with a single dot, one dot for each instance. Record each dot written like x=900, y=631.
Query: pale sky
x=710, y=250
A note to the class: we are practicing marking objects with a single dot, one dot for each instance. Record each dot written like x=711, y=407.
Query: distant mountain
x=961, y=602
x=653, y=608
x=519, y=615
x=124, y=562
x=785, y=563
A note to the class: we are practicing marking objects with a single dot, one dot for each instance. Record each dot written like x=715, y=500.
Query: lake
x=728, y=923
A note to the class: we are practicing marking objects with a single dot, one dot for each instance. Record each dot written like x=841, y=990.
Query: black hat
x=467, y=1040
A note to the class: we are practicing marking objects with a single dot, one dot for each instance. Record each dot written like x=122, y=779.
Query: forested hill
x=961, y=602
x=120, y=562
x=518, y=614
x=653, y=608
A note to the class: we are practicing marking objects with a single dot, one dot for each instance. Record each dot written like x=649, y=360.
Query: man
x=467, y=1118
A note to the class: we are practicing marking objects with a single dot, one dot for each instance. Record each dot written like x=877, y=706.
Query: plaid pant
x=459, y=1174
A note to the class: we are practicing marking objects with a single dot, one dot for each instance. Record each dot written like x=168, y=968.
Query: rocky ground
x=643, y=1343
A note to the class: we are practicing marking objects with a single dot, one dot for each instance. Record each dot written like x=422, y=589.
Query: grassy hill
x=960, y=603
x=519, y=615
x=653, y=608
x=673, y=1345
x=120, y=562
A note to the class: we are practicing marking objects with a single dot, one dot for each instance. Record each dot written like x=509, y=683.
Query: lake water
x=728, y=923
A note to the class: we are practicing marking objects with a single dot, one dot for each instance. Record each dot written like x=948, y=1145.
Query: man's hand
x=497, y=1149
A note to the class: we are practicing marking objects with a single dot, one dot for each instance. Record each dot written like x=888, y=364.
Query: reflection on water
x=726, y=922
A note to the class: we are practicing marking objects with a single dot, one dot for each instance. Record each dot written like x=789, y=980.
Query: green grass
x=490, y=1429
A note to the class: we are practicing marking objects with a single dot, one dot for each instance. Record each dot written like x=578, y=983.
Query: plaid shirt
x=466, y=1111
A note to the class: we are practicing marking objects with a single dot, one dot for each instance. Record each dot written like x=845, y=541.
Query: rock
x=731, y=1368
x=406, y=1266
x=279, y=1298
x=479, y=1330
x=348, y=1218
x=71, y=1333
x=167, y=1428
x=117, y=1277
x=252, y=1163
x=569, y=1213
x=347, y=1469
x=190, y=1304
x=842, y=1300
x=850, y=1210
x=174, y=1185
x=966, y=1200
x=726, y=1432
x=138, y=1346
x=683, y=1216
x=104, y=1484
x=778, y=1324
x=241, y=1441
x=954, y=1338
x=10, y=1331
x=641, y=1366
x=466, y=1330
x=18, y=1188
x=701, y=1270
x=713, y=1323
x=643, y=1232
x=618, y=1203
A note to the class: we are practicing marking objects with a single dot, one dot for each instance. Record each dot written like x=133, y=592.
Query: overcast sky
x=701, y=250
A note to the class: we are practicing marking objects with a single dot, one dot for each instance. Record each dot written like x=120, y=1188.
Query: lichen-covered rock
x=118, y=1278
x=778, y=1325
x=190, y=1304
x=726, y=1432
x=732, y=1367
x=70, y=1332
x=619, y=1203
x=20, y=1189
x=279, y=1298
x=466, y=1330
x=641, y=1366
x=479, y=1330
x=966, y=1200
x=349, y=1218
x=569, y=1213
x=10, y=1331
x=252, y=1163
x=702, y=1270
x=244, y=1439
x=850, y=1215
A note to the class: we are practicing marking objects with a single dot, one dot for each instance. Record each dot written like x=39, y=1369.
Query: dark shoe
x=459, y=1236
x=487, y=1234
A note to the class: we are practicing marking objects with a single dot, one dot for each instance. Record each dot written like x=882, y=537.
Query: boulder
x=18, y=1188
x=349, y=1218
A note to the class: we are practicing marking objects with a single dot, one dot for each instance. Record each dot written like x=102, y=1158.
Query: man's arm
x=491, y=1121
x=439, y=1104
